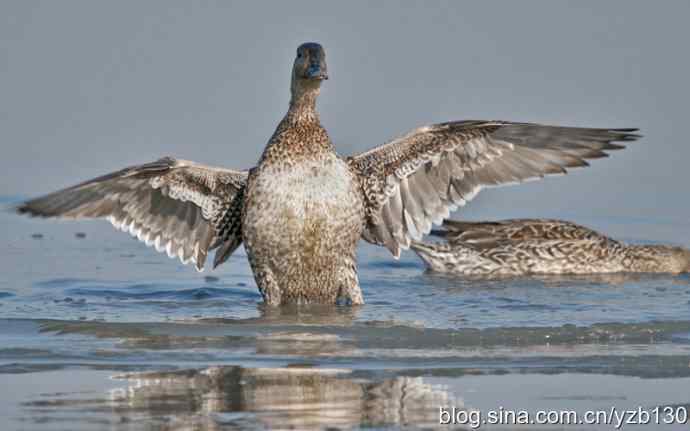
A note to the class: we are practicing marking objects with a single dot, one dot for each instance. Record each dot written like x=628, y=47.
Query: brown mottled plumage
x=535, y=246
x=301, y=211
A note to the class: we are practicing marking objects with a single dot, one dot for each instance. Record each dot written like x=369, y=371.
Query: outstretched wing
x=419, y=178
x=477, y=232
x=178, y=206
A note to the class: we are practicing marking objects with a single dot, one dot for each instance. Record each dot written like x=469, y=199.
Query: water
x=99, y=332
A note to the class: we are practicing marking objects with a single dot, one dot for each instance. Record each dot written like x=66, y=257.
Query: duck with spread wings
x=302, y=209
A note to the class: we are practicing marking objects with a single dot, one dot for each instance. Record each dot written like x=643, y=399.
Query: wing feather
x=179, y=207
x=417, y=179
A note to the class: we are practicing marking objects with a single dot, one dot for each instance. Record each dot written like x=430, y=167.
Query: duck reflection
x=280, y=398
x=297, y=314
x=469, y=282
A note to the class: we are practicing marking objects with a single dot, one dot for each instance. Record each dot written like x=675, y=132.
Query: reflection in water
x=303, y=344
x=549, y=280
x=309, y=314
x=128, y=315
x=297, y=398
x=226, y=339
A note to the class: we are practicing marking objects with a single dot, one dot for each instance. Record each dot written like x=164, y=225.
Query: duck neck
x=303, y=102
x=300, y=134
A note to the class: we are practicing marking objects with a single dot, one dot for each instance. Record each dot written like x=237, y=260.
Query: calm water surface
x=99, y=332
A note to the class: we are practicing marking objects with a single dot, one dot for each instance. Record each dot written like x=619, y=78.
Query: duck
x=518, y=247
x=302, y=209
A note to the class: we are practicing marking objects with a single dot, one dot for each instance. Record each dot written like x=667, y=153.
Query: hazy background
x=87, y=87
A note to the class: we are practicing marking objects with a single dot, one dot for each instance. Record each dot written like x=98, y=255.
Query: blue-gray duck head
x=310, y=63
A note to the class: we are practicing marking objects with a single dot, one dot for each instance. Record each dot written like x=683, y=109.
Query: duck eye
x=299, y=55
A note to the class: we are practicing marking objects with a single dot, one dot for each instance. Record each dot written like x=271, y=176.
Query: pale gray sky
x=87, y=87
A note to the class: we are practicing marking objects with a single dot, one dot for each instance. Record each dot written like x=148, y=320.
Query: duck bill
x=316, y=71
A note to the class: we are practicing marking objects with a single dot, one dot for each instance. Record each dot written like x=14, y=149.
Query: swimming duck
x=538, y=246
x=302, y=209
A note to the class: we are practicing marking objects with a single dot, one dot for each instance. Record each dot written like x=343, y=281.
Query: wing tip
x=394, y=248
x=22, y=208
x=16, y=209
x=27, y=209
x=626, y=135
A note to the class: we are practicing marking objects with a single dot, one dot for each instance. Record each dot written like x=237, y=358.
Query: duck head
x=310, y=63
x=309, y=70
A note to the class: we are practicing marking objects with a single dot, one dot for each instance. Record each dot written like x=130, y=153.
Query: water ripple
x=149, y=292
